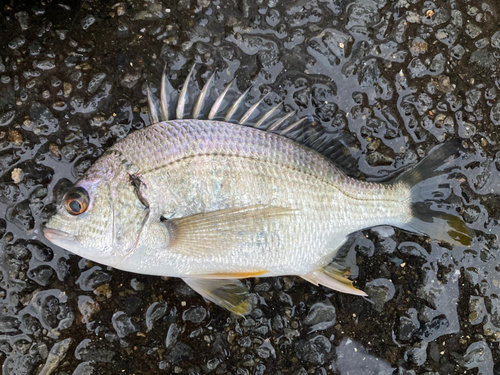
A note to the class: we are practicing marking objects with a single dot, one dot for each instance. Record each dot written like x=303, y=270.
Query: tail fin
x=426, y=181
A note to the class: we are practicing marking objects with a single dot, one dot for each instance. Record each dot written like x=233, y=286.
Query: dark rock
x=39, y=251
x=407, y=326
x=85, y=368
x=380, y=291
x=9, y=324
x=277, y=323
x=23, y=18
x=95, y=82
x=180, y=352
x=493, y=306
x=155, y=312
x=22, y=216
x=245, y=342
x=41, y=274
x=448, y=35
x=195, y=315
x=432, y=328
x=483, y=58
x=129, y=304
x=417, y=354
x=123, y=324
x=3, y=227
x=172, y=334
x=30, y=324
x=321, y=316
x=495, y=114
x=479, y=356
x=44, y=122
x=7, y=117
x=376, y=159
x=18, y=250
x=88, y=350
x=87, y=307
x=87, y=21
x=19, y=364
x=92, y=278
x=220, y=346
x=457, y=52
x=314, y=351
x=362, y=14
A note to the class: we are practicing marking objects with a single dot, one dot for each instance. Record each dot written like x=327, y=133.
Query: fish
x=214, y=200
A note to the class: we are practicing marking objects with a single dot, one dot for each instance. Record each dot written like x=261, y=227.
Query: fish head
x=101, y=217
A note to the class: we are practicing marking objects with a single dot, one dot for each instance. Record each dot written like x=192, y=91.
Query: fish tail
x=429, y=186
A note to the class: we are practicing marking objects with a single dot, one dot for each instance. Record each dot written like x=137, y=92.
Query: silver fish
x=213, y=202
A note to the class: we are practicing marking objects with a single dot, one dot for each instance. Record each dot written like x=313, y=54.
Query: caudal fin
x=427, y=181
x=440, y=225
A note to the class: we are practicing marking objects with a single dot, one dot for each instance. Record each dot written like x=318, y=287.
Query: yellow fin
x=333, y=278
x=231, y=275
x=203, y=234
x=230, y=293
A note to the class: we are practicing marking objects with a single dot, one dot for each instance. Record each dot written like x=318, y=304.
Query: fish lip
x=69, y=242
x=53, y=235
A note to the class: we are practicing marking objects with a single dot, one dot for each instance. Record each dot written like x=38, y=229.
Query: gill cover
x=130, y=214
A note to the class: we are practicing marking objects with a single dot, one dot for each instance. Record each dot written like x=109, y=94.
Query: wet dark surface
x=401, y=76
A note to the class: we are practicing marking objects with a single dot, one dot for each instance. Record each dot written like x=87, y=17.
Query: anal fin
x=229, y=293
x=334, y=278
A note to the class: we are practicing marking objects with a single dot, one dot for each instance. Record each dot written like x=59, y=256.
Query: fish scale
x=215, y=201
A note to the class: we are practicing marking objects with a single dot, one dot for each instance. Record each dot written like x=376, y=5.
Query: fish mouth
x=70, y=243
x=59, y=237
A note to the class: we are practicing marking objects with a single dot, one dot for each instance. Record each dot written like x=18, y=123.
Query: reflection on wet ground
x=401, y=76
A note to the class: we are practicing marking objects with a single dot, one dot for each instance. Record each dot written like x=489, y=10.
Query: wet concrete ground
x=400, y=76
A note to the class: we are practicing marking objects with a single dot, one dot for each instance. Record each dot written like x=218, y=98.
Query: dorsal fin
x=271, y=117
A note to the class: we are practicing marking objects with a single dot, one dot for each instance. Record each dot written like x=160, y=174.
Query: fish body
x=210, y=200
x=195, y=166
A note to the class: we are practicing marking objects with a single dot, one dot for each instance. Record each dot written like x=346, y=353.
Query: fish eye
x=76, y=201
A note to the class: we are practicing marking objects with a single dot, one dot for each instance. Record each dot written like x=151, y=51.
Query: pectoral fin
x=203, y=234
x=230, y=294
x=333, y=278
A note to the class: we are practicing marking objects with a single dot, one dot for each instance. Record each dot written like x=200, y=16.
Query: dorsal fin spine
x=163, y=95
x=235, y=106
x=216, y=106
x=280, y=121
x=250, y=111
x=292, y=126
x=153, y=113
x=202, y=97
x=181, y=101
x=267, y=115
